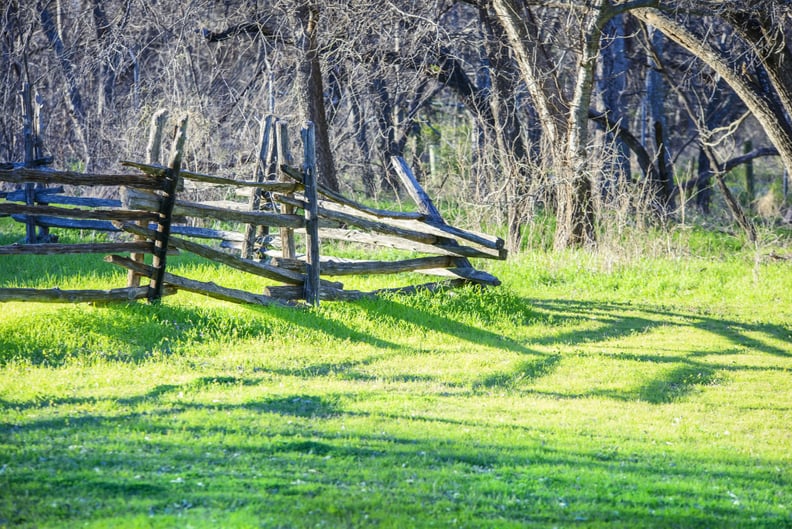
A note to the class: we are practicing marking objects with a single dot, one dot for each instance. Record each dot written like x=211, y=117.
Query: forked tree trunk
x=575, y=214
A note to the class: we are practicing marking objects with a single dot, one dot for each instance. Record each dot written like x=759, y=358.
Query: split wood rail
x=286, y=207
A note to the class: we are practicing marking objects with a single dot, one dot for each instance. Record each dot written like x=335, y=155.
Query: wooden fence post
x=267, y=155
x=152, y=157
x=166, y=213
x=284, y=156
x=29, y=143
x=311, y=215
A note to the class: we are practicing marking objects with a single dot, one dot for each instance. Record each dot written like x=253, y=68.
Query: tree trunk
x=362, y=140
x=703, y=182
x=756, y=102
x=613, y=86
x=387, y=136
x=534, y=67
x=575, y=214
x=511, y=152
x=766, y=37
x=74, y=98
x=310, y=92
x=662, y=184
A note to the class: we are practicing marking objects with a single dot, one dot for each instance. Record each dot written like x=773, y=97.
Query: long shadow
x=620, y=325
x=431, y=321
x=136, y=332
x=524, y=373
x=688, y=375
x=148, y=477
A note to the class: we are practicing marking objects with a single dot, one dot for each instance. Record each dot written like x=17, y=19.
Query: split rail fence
x=285, y=207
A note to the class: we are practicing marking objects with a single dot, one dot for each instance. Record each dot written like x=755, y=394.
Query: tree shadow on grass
x=677, y=384
x=136, y=332
x=103, y=467
x=688, y=373
x=524, y=373
x=616, y=324
x=393, y=310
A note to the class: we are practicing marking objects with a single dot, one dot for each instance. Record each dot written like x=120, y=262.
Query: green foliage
x=581, y=393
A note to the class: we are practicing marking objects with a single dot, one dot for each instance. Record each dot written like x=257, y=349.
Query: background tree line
x=594, y=112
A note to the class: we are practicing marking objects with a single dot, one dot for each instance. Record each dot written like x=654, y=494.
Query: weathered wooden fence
x=281, y=197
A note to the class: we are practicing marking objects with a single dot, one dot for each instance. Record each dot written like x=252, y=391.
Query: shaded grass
x=654, y=394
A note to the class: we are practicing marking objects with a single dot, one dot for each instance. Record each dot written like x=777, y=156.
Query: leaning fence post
x=29, y=142
x=166, y=212
x=266, y=155
x=311, y=215
x=152, y=157
x=284, y=156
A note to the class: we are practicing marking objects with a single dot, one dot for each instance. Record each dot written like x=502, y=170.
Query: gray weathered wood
x=334, y=294
x=425, y=204
x=297, y=175
x=56, y=295
x=20, y=175
x=161, y=239
x=199, y=287
x=311, y=215
x=159, y=171
x=288, y=247
x=206, y=233
x=265, y=158
x=28, y=134
x=354, y=220
x=56, y=248
x=427, y=227
x=73, y=213
x=291, y=292
x=468, y=274
x=414, y=189
x=156, y=129
x=442, y=229
x=56, y=222
x=334, y=267
x=99, y=225
x=153, y=149
x=246, y=265
x=149, y=201
x=399, y=243
x=51, y=195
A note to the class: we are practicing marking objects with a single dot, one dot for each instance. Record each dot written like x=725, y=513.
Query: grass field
x=583, y=392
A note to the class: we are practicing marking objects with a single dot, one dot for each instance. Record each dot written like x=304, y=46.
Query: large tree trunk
x=362, y=140
x=310, y=92
x=767, y=39
x=575, y=214
x=387, y=133
x=535, y=68
x=564, y=125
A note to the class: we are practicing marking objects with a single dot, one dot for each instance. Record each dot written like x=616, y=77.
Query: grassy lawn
x=581, y=393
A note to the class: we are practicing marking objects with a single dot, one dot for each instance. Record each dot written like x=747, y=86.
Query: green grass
x=581, y=393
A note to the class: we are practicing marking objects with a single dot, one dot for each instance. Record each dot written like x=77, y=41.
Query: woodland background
x=588, y=117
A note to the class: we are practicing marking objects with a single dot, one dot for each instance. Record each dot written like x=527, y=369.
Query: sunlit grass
x=649, y=393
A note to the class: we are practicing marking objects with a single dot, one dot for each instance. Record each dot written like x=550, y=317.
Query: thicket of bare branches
x=506, y=108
